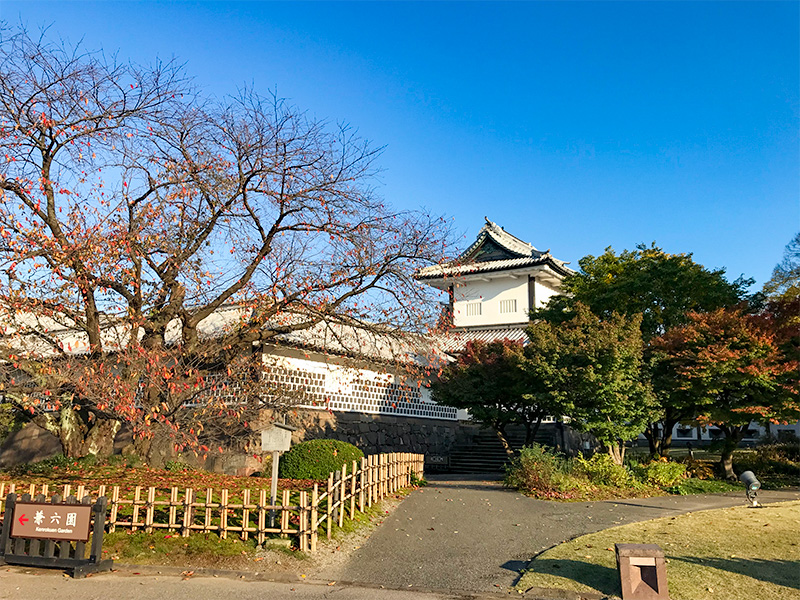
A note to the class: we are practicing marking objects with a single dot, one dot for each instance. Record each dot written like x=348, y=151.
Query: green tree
x=661, y=287
x=492, y=381
x=785, y=280
x=594, y=373
x=733, y=367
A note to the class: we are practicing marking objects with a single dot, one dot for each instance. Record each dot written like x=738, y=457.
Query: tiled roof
x=455, y=341
x=453, y=269
x=511, y=243
x=526, y=256
x=21, y=332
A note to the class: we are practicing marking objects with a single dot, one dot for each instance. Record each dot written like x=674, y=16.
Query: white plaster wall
x=489, y=294
x=542, y=294
x=341, y=391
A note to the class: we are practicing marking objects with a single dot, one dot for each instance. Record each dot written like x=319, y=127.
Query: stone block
x=642, y=572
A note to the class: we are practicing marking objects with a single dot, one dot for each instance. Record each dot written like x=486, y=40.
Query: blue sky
x=575, y=125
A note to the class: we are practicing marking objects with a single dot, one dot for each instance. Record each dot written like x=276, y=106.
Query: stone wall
x=371, y=433
x=29, y=444
x=374, y=433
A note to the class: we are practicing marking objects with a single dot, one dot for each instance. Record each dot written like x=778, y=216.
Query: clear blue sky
x=575, y=125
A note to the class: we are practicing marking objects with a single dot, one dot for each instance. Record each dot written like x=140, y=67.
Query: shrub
x=602, y=470
x=771, y=460
x=660, y=472
x=703, y=486
x=699, y=469
x=314, y=459
x=538, y=471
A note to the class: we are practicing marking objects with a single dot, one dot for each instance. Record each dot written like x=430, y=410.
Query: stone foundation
x=374, y=433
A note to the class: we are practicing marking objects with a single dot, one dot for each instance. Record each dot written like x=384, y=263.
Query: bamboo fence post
x=314, y=505
x=45, y=489
x=262, y=516
x=245, y=513
x=148, y=515
x=342, y=493
x=303, y=521
x=371, y=483
x=384, y=476
x=328, y=508
x=223, y=515
x=376, y=476
x=136, y=502
x=79, y=494
x=393, y=472
x=353, y=472
x=172, y=523
x=101, y=491
x=67, y=491
x=361, y=480
x=32, y=490
x=112, y=519
x=285, y=502
x=207, y=520
x=381, y=475
x=188, y=500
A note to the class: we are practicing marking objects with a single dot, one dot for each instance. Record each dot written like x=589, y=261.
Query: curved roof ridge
x=508, y=241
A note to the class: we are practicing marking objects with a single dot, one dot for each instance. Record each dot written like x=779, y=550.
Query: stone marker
x=642, y=572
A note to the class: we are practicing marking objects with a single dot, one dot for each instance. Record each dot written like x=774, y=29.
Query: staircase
x=485, y=453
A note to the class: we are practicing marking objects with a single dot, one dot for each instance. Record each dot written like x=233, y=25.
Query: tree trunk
x=733, y=435
x=617, y=452
x=501, y=434
x=100, y=439
x=157, y=449
x=653, y=439
x=79, y=438
x=71, y=432
x=531, y=429
x=669, y=423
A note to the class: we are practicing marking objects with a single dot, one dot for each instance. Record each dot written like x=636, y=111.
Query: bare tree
x=133, y=211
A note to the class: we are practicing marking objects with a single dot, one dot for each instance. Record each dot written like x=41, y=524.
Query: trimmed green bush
x=314, y=459
x=541, y=473
x=660, y=472
x=602, y=470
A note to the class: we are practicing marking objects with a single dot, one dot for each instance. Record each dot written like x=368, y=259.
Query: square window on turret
x=473, y=309
x=508, y=306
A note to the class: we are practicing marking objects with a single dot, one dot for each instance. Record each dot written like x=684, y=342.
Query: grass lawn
x=737, y=553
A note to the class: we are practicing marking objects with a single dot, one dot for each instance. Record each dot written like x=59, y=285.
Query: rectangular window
x=508, y=306
x=474, y=309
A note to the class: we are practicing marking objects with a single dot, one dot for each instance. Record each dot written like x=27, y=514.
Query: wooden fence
x=247, y=513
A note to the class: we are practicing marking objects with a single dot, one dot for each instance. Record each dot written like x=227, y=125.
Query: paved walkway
x=17, y=584
x=475, y=536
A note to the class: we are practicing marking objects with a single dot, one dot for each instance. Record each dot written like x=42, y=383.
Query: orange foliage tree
x=152, y=240
x=733, y=368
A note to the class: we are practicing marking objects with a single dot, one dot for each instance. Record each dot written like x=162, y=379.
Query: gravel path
x=472, y=535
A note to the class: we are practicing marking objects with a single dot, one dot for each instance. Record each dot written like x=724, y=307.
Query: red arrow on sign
x=23, y=519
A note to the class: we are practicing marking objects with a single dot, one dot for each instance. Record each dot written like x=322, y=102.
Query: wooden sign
x=277, y=438
x=55, y=534
x=35, y=520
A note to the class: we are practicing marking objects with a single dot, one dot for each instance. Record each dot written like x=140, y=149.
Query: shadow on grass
x=603, y=579
x=780, y=572
x=515, y=565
